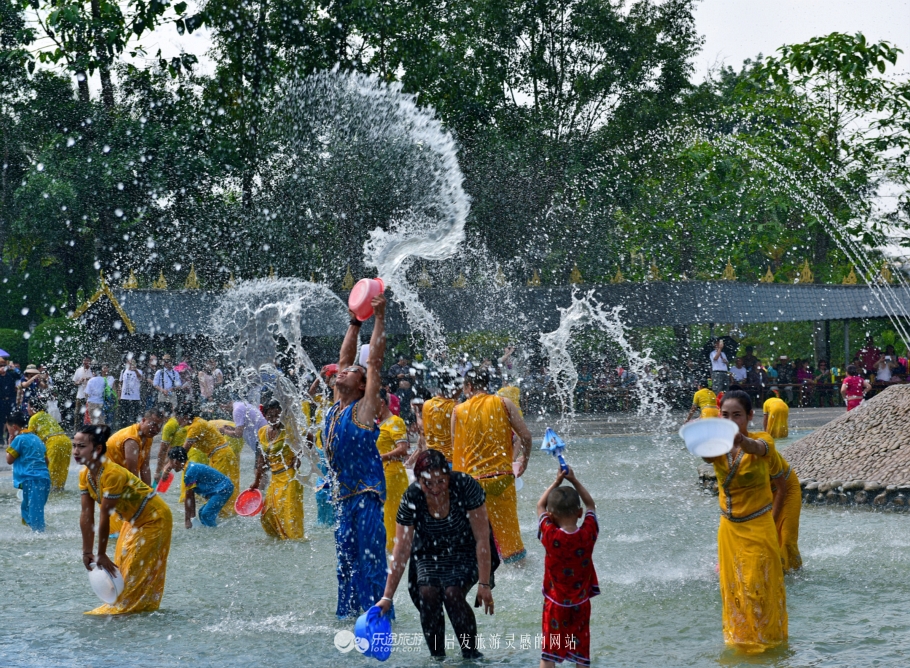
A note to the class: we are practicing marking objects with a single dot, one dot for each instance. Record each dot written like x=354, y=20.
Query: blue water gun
x=555, y=446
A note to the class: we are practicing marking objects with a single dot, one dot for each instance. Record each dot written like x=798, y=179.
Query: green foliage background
x=582, y=138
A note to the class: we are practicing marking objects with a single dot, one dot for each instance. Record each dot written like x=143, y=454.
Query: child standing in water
x=28, y=457
x=569, y=579
x=216, y=487
x=854, y=387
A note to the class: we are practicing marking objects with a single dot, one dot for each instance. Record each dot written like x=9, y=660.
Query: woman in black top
x=443, y=520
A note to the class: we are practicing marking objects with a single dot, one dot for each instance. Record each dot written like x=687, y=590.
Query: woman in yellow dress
x=282, y=511
x=145, y=538
x=788, y=502
x=777, y=416
x=751, y=576
x=174, y=436
x=56, y=442
x=393, y=449
x=202, y=436
x=704, y=402
x=226, y=427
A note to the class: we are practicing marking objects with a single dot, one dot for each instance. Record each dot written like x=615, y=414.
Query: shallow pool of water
x=236, y=597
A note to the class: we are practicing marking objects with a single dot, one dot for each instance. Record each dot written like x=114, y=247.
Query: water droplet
x=40, y=167
x=118, y=213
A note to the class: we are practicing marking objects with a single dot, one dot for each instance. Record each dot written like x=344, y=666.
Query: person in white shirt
x=739, y=371
x=248, y=420
x=130, y=393
x=94, y=396
x=720, y=374
x=166, y=381
x=80, y=378
x=886, y=365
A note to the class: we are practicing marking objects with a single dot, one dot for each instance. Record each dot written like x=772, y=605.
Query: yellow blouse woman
x=145, y=537
x=56, y=442
x=174, y=436
x=203, y=436
x=777, y=416
x=234, y=442
x=788, y=502
x=751, y=576
x=282, y=512
x=704, y=403
x=393, y=448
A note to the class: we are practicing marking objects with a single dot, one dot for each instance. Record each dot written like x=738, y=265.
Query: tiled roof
x=655, y=304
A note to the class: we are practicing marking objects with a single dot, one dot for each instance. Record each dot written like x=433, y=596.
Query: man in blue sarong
x=355, y=469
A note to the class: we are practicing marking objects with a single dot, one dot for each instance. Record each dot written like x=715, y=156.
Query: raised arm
x=753, y=446
x=348, y=354
x=368, y=407
x=542, y=501
x=586, y=497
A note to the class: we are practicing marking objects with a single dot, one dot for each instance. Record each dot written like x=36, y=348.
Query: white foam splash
x=349, y=120
x=254, y=321
x=586, y=311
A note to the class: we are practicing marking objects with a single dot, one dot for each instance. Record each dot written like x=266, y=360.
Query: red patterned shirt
x=569, y=578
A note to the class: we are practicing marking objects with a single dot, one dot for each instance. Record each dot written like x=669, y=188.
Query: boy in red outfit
x=569, y=579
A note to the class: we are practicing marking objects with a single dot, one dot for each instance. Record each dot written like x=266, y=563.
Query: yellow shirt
x=173, y=434
x=235, y=443
x=391, y=432
x=437, y=425
x=200, y=434
x=782, y=469
x=482, y=442
x=513, y=394
x=44, y=426
x=778, y=415
x=278, y=454
x=313, y=422
x=704, y=398
x=117, y=440
x=115, y=482
x=746, y=493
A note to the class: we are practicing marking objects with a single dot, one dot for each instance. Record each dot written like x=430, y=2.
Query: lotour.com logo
x=345, y=641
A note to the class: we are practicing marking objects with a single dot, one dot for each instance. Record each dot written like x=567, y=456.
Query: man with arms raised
x=355, y=468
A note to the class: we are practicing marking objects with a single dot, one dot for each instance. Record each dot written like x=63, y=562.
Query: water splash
x=586, y=311
x=338, y=121
x=259, y=321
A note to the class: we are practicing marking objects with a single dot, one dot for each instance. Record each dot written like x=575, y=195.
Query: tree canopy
x=583, y=141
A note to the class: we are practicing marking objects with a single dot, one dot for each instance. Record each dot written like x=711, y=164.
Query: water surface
x=236, y=597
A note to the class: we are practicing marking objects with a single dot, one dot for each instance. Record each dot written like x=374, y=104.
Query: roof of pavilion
x=653, y=304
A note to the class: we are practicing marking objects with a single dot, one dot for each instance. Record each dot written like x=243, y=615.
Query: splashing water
x=583, y=312
x=348, y=121
x=258, y=321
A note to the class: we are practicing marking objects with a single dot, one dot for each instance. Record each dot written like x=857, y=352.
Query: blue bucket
x=373, y=631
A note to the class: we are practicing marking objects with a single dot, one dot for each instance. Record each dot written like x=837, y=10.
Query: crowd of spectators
x=96, y=392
